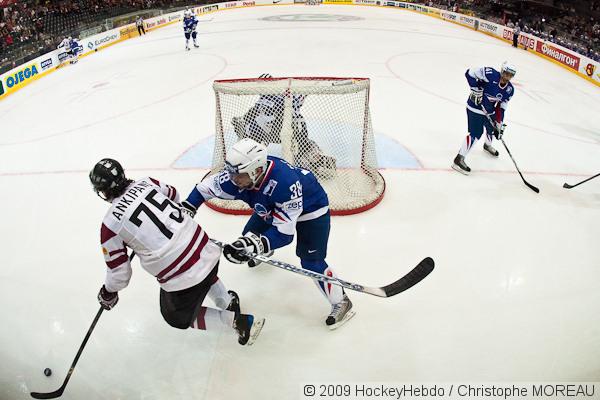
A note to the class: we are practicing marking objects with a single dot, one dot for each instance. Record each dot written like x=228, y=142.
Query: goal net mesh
x=319, y=124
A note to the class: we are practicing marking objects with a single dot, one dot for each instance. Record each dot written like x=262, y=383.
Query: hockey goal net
x=320, y=124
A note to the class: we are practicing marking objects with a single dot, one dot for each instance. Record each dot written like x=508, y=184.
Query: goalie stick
x=409, y=280
x=60, y=390
x=567, y=186
x=529, y=185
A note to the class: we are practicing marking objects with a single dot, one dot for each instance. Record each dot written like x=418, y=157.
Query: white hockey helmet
x=187, y=13
x=508, y=68
x=246, y=156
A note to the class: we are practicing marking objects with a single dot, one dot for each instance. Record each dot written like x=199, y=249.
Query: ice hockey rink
x=514, y=296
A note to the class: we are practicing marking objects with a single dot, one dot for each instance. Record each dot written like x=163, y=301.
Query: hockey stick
x=529, y=185
x=409, y=280
x=59, y=392
x=567, y=186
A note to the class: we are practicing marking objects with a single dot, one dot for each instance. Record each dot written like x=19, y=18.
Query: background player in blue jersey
x=71, y=48
x=491, y=90
x=285, y=199
x=189, y=28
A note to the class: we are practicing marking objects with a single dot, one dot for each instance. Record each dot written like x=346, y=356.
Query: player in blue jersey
x=189, y=28
x=490, y=91
x=285, y=200
x=71, y=48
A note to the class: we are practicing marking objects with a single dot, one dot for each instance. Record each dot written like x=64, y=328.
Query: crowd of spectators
x=37, y=26
x=560, y=22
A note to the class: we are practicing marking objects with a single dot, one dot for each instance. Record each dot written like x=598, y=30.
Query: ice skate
x=460, y=165
x=234, y=304
x=490, y=150
x=248, y=328
x=340, y=313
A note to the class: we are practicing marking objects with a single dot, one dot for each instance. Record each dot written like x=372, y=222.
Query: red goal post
x=322, y=124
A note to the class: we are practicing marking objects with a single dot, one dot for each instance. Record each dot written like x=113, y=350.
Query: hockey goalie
x=263, y=123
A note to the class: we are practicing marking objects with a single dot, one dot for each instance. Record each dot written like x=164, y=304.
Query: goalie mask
x=246, y=156
x=108, y=179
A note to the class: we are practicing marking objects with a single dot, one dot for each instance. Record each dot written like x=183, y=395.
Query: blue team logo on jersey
x=261, y=211
x=509, y=90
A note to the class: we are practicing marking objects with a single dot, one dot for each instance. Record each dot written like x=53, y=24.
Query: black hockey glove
x=249, y=243
x=499, y=130
x=188, y=208
x=107, y=299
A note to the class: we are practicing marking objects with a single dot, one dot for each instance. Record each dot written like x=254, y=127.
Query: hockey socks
x=467, y=145
x=218, y=294
x=333, y=293
x=212, y=319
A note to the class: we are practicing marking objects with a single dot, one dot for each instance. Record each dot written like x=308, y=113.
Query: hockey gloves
x=476, y=95
x=499, y=128
x=188, y=208
x=249, y=243
x=107, y=299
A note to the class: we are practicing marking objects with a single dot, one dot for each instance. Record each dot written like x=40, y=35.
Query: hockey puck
x=47, y=372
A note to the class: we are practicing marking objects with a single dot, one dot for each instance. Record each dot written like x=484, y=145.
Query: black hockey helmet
x=108, y=179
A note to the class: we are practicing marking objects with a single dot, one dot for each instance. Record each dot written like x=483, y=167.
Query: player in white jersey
x=71, y=48
x=171, y=246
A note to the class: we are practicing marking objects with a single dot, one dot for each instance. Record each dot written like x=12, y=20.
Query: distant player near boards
x=286, y=200
x=171, y=246
x=491, y=90
x=71, y=48
x=190, y=22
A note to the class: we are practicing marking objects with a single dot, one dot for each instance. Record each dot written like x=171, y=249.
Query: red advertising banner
x=563, y=57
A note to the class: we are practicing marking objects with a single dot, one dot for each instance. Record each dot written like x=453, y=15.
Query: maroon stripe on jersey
x=190, y=262
x=106, y=234
x=117, y=261
x=115, y=252
x=181, y=256
x=157, y=183
x=172, y=193
x=200, y=322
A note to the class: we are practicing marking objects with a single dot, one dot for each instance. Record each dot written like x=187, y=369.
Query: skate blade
x=346, y=318
x=255, y=330
x=459, y=169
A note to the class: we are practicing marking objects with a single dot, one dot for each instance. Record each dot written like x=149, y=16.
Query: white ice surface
x=514, y=296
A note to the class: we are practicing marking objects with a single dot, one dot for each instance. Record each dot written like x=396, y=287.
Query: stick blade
x=567, y=186
x=530, y=186
x=409, y=280
x=51, y=395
